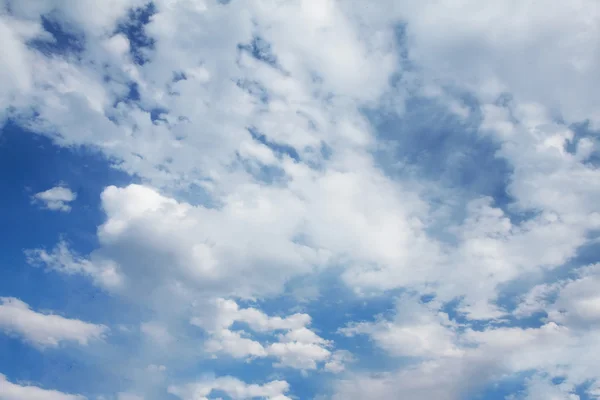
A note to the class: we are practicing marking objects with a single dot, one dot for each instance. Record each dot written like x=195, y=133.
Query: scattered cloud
x=233, y=388
x=270, y=144
x=298, y=347
x=56, y=198
x=104, y=273
x=45, y=330
x=417, y=331
x=13, y=391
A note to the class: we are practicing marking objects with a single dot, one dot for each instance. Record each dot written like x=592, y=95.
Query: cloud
x=572, y=302
x=298, y=347
x=104, y=273
x=436, y=379
x=460, y=359
x=45, y=330
x=157, y=333
x=246, y=124
x=338, y=361
x=235, y=345
x=417, y=331
x=309, y=53
x=539, y=388
x=129, y=396
x=578, y=303
x=13, y=391
x=239, y=248
x=491, y=48
x=56, y=198
x=225, y=312
x=233, y=388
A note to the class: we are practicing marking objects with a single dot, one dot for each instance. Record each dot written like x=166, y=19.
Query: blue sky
x=304, y=200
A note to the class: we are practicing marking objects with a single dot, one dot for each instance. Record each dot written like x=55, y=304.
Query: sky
x=299, y=199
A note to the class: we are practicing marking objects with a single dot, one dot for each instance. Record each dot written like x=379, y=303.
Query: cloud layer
x=437, y=157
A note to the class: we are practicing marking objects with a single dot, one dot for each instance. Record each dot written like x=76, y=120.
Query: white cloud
x=453, y=359
x=417, y=331
x=45, y=330
x=298, y=347
x=305, y=48
x=234, y=344
x=165, y=249
x=129, y=396
x=339, y=360
x=572, y=303
x=233, y=388
x=478, y=358
x=443, y=380
x=13, y=391
x=104, y=273
x=541, y=389
x=225, y=312
x=15, y=62
x=240, y=247
x=56, y=198
x=578, y=301
x=489, y=48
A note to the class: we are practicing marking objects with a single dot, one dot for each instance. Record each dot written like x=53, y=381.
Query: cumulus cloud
x=417, y=331
x=262, y=236
x=298, y=347
x=262, y=167
x=233, y=388
x=572, y=302
x=45, y=330
x=470, y=358
x=13, y=391
x=56, y=198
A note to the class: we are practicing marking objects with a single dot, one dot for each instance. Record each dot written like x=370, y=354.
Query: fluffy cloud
x=45, y=330
x=502, y=45
x=417, y=331
x=256, y=241
x=233, y=388
x=572, y=302
x=56, y=198
x=578, y=303
x=217, y=70
x=299, y=347
x=470, y=358
x=490, y=48
x=261, y=168
x=13, y=391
